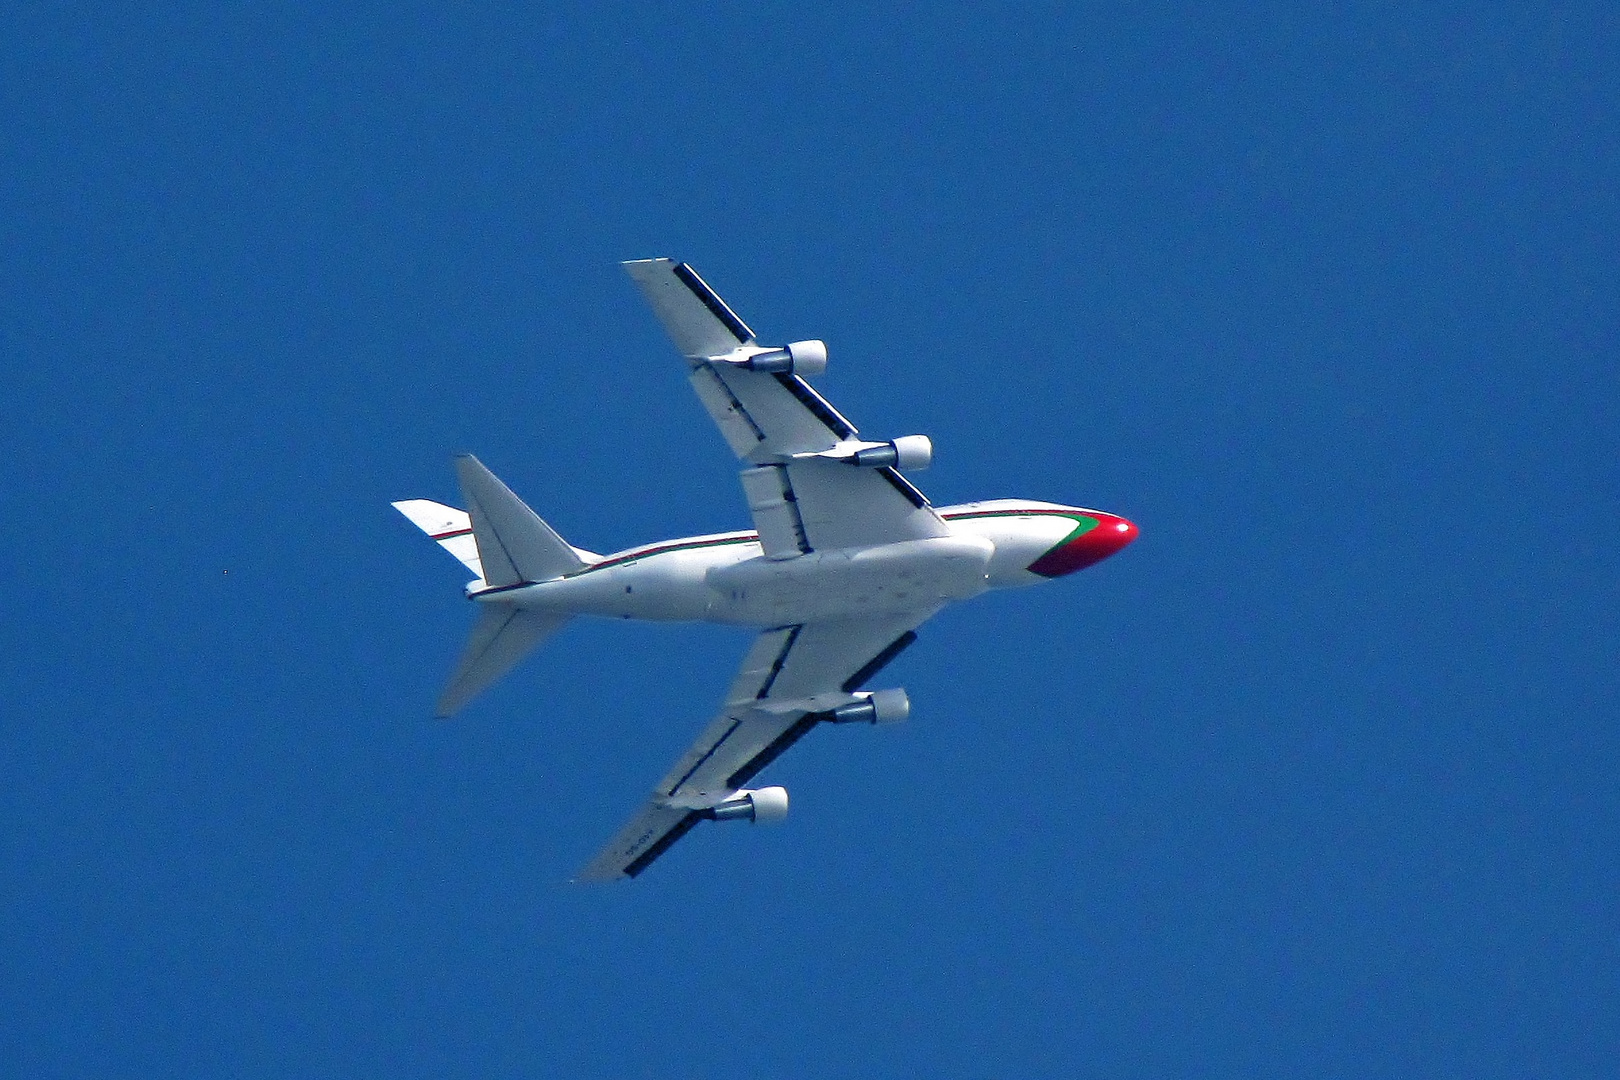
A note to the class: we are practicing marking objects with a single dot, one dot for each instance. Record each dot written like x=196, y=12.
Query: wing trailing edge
x=767, y=711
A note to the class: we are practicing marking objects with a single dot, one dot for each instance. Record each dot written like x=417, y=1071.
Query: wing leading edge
x=791, y=679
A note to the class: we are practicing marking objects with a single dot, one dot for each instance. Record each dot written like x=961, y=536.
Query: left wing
x=802, y=490
x=791, y=680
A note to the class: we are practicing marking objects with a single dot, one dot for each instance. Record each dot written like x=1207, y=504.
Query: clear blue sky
x=1317, y=779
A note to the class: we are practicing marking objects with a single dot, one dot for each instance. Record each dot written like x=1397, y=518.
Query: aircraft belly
x=664, y=589
x=905, y=576
x=1018, y=542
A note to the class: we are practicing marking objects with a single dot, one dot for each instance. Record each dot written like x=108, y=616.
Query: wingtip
x=453, y=699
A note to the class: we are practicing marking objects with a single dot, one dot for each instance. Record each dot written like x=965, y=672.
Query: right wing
x=790, y=679
x=772, y=421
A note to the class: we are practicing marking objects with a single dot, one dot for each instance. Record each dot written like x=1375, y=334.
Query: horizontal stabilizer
x=514, y=545
x=503, y=635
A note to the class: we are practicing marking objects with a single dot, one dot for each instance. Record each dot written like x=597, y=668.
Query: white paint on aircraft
x=846, y=560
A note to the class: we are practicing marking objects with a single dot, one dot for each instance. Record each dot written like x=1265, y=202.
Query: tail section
x=452, y=529
x=514, y=545
x=503, y=635
x=505, y=543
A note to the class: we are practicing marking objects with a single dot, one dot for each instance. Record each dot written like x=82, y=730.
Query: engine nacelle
x=764, y=806
x=878, y=707
x=906, y=452
x=799, y=358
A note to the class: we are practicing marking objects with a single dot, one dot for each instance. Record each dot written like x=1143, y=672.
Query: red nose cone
x=1086, y=545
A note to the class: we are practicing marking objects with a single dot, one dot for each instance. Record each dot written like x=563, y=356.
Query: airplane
x=845, y=561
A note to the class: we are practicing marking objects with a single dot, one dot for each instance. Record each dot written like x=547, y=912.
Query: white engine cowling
x=878, y=707
x=906, y=452
x=763, y=806
x=800, y=358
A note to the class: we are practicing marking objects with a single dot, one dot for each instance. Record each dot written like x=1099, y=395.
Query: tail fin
x=452, y=529
x=504, y=543
x=514, y=545
x=503, y=635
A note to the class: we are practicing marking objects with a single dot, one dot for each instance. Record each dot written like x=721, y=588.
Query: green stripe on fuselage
x=1082, y=523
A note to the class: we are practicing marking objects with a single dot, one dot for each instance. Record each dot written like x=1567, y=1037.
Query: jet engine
x=764, y=806
x=878, y=707
x=799, y=358
x=906, y=452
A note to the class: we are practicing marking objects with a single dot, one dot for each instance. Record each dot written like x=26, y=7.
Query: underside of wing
x=793, y=678
x=697, y=320
x=803, y=487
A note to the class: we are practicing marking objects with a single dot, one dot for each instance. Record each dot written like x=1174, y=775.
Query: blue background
x=1317, y=779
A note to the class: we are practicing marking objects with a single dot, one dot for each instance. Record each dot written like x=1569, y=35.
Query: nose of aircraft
x=1087, y=546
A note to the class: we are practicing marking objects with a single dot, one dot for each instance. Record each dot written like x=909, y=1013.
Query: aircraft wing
x=775, y=422
x=791, y=679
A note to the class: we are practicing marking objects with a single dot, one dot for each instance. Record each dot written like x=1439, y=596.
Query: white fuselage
x=726, y=577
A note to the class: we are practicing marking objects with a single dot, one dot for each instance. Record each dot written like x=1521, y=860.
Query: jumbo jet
x=845, y=561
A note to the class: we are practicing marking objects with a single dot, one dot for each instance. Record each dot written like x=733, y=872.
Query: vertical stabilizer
x=514, y=545
x=450, y=528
